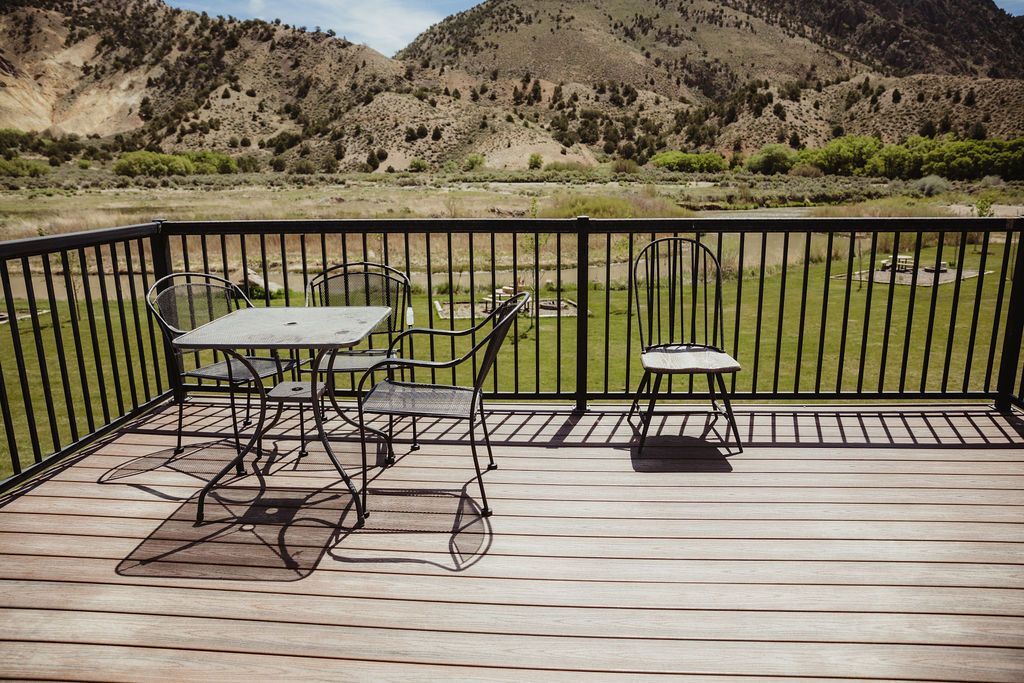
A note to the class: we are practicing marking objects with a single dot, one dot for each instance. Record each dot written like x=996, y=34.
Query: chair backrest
x=181, y=302
x=364, y=284
x=502, y=317
x=677, y=285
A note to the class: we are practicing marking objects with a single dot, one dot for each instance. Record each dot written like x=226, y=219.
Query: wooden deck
x=874, y=543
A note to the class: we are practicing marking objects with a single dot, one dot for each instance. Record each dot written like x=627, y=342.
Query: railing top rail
x=732, y=224
x=36, y=246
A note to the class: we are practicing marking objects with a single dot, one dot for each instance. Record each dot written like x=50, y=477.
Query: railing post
x=160, y=247
x=1013, y=333
x=582, y=309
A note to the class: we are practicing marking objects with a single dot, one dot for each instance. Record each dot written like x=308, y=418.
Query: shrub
x=249, y=164
x=418, y=166
x=303, y=167
x=625, y=166
x=536, y=161
x=278, y=164
x=84, y=164
x=153, y=164
x=806, y=171
x=931, y=185
x=210, y=163
x=22, y=168
x=772, y=159
x=473, y=162
x=708, y=162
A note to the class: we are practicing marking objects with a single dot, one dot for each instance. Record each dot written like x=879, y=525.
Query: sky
x=385, y=25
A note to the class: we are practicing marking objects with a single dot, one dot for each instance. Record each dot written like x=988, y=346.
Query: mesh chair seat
x=429, y=400
x=264, y=367
x=688, y=359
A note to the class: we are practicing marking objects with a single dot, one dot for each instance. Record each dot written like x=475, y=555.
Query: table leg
x=318, y=416
x=256, y=435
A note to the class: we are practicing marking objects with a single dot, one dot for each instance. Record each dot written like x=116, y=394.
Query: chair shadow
x=264, y=534
x=443, y=528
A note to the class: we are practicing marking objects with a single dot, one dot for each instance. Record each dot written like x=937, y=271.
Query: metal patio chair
x=400, y=398
x=677, y=284
x=181, y=302
x=364, y=283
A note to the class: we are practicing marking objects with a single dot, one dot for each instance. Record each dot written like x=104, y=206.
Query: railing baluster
x=888, y=310
x=910, y=312
x=760, y=310
x=19, y=358
x=801, y=330
x=115, y=369
x=122, y=319
x=961, y=254
x=44, y=370
x=430, y=306
x=739, y=308
x=1014, y=332
x=867, y=314
x=94, y=334
x=978, y=294
x=846, y=312
x=824, y=313
x=782, y=312
x=58, y=339
x=144, y=268
x=994, y=343
x=931, y=310
x=133, y=293
x=76, y=333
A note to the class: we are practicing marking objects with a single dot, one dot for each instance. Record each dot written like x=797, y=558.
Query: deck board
x=878, y=543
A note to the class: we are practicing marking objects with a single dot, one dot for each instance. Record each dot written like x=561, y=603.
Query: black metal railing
x=807, y=310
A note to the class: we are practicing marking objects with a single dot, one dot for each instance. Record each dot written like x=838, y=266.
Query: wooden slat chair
x=677, y=284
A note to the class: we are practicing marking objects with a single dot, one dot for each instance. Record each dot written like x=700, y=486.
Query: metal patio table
x=322, y=330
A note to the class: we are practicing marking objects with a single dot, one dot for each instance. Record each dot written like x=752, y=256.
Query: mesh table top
x=286, y=328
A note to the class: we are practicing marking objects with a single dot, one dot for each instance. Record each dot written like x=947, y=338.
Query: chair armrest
x=433, y=331
x=390, y=364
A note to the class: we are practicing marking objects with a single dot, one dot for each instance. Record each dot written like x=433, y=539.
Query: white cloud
x=385, y=25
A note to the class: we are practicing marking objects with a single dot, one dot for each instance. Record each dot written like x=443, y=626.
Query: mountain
x=570, y=79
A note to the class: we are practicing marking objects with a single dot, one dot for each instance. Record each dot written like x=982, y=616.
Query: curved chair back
x=181, y=302
x=364, y=284
x=677, y=285
x=503, y=315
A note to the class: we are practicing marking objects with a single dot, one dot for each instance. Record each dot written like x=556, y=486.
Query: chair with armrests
x=363, y=283
x=393, y=397
x=677, y=283
x=181, y=302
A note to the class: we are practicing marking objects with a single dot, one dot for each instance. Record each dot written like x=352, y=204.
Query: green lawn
x=546, y=352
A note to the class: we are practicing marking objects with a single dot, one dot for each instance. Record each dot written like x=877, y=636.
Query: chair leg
x=711, y=389
x=728, y=411
x=415, y=437
x=487, y=440
x=302, y=431
x=486, y=511
x=362, y=445
x=239, y=467
x=181, y=426
x=644, y=382
x=650, y=412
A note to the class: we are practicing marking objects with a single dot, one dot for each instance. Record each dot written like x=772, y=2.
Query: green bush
x=683, y=162
x=772, y=159
x=418, y=166
x=153, y=164
x=84, y=164
x=931, y=185
x=22, y=168
x=536, y=161
x=210, y=163
x=625, y=166
x=473, y=162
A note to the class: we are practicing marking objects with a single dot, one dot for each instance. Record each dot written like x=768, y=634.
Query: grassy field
x=542, y=357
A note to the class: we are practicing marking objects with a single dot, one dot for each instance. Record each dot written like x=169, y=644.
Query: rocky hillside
x=571, y=80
